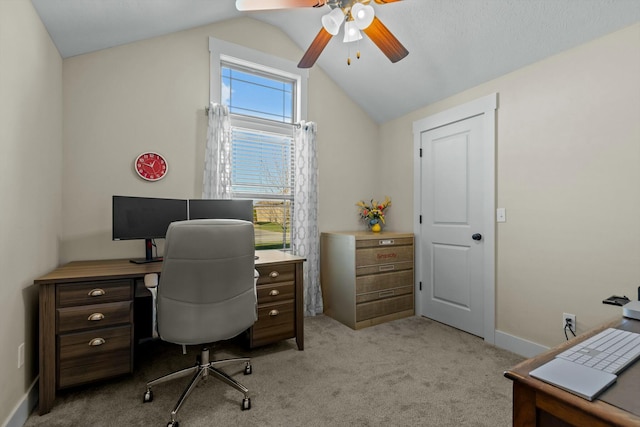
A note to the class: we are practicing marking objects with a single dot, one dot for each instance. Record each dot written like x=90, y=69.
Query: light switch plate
x=501, y=215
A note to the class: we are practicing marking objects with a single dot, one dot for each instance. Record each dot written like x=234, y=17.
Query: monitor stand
x=148, y=249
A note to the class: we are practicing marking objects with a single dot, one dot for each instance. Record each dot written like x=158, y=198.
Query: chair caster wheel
x=248, y=369
x=246, y=404
x=173, y=424
x=148, y=396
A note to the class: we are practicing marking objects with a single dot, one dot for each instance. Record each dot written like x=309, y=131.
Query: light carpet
x=408, y=372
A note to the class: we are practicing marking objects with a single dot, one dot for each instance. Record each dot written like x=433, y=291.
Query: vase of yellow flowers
x=372, y=213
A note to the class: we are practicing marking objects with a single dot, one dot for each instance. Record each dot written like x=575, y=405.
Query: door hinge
x=420, y=285
x=421, y=152
x=420, y=219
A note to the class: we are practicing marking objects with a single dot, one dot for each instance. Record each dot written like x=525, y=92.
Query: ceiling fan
x=356, y=14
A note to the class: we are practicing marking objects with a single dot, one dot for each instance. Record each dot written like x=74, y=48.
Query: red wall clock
x=151, y=166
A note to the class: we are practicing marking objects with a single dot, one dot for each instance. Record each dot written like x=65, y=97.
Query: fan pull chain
x=349, y=52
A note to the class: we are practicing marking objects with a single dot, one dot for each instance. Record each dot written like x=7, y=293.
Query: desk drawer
x=276, y=322
x=93, y=316
x=276, y=273
x=88, y=356
x=276, y=292
x=75, y=294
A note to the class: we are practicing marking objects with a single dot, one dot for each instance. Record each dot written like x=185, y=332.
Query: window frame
x=223, y=53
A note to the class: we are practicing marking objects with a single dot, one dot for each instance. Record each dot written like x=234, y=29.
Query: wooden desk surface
x=121, y=268
x=531, y=395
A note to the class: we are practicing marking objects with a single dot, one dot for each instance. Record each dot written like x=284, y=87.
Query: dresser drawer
x=93, y=316
x=271, y=293
x=88, y=356
x=390, y=241
x=369, y=310
x=380, y=282
x=75, y=294
x=384, y=255
x=276, y=273
x=382, y=294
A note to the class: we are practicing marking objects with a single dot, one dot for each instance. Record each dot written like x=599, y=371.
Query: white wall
x=151, y=95
x=30, y=189
x=568, y=156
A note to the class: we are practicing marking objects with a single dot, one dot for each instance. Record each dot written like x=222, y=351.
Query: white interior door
x=455, y=199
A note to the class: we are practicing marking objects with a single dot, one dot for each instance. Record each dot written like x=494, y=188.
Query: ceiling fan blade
x=386, y=1
x=387, y=42
x=317, y=46
x=252, y=5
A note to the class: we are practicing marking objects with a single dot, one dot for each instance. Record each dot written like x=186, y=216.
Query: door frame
x=486, y=107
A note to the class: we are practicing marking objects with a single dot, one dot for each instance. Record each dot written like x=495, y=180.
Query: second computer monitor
x=221, y=209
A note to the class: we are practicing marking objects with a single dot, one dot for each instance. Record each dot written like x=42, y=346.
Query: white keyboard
x=611, y=350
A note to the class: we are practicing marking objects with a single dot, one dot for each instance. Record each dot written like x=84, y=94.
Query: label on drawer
x=383, y=255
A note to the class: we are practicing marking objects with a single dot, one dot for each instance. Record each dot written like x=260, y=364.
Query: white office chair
x=206, y=293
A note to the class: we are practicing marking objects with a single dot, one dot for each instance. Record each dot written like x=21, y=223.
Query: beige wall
x=151, y=95
x=30, y=187
x=568, y=174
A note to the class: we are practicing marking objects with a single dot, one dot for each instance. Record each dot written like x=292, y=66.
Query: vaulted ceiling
x=453, y=44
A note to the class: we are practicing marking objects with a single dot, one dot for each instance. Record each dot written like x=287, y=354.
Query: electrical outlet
x=20, y=355
x=571, y=319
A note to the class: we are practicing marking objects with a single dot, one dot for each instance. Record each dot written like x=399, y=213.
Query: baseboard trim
x=518, y=345
x=24, y=408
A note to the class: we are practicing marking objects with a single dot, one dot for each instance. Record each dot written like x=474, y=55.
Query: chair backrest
x=207, y=288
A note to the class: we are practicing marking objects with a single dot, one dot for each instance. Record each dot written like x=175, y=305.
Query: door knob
x=477, y=236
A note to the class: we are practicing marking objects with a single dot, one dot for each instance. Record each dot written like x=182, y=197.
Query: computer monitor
x=221, y=209
x=145, y=218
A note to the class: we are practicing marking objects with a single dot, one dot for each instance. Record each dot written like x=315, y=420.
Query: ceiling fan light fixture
x=351, y=32
x=333, y=20
x=362, y=15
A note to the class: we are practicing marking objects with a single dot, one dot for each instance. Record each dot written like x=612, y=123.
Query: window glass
x=252, y=94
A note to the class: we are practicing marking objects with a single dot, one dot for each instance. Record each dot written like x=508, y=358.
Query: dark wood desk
x=536, y=403
x=88, y=315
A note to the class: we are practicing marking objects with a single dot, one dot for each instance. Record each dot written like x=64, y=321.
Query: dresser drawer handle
x=274, y=293
x=385, y=294
x=96, y=292
x=386, y=267
x=95, y=317
x=386, y=242
x=274, y=313
x=96, y=342
x=274, y=274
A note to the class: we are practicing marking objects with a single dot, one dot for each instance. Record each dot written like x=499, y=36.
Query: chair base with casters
x=202, y=369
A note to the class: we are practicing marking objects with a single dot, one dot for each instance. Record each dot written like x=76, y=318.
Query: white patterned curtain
x=217, y=162
x=305, y=236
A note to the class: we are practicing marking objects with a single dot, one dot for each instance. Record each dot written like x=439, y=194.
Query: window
x=266, y=97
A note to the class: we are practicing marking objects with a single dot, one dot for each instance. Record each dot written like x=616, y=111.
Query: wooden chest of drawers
x=367, y=278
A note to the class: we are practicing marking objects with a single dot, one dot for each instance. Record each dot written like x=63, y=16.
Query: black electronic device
x=145, y=218
x=221, y=209
x=616, y=300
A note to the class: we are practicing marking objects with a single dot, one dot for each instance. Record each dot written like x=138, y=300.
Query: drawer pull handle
x=386, y=267
x=385, y=294
x=96, y=292
x=386, y=242
x=96, y=342
x=95, y=317
x=274, y=293
x=274, y=274
x=274, y=313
